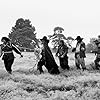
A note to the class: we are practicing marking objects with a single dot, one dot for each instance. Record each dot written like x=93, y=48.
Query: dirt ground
x=27, y=84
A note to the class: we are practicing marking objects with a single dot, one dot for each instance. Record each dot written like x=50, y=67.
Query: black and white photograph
x=49, y=49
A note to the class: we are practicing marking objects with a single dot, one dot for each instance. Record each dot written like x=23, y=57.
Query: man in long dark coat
x=47, y=59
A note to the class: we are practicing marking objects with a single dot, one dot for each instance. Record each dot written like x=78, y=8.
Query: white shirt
x=78, y=47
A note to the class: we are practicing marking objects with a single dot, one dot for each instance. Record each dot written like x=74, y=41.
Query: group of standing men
x=48, y=61
x=62, y=53
x=47, y=58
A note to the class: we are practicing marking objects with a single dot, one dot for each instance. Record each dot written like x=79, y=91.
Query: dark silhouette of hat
x=79, y=38
x=45, y=39
x=5, y=38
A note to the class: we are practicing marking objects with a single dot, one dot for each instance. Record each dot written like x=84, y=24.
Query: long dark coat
x=50, y=63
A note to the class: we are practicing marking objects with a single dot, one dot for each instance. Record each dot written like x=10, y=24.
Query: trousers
x=79, y=62
x=8, y=64
x=64, y=62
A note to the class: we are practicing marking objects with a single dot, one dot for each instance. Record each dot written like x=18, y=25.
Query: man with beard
x=47, y=58
x=62, y=55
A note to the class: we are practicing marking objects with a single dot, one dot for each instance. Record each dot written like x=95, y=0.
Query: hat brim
x=79, y=39
x=45, y=40
x=41, y=39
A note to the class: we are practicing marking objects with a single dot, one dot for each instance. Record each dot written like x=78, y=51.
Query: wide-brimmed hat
x=6, y=39
x=45, y=39
x=78, y=38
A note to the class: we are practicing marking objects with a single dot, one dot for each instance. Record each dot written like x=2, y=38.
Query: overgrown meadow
x=27, y=84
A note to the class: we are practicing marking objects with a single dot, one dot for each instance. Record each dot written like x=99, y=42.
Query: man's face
x=42, y=41
x=60, y=43
x=57, y=31
x=3, y=41
x=79, y=40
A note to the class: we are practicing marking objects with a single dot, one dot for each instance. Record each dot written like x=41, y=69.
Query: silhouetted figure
x=47, y=58
x=62, y=55
x=97, y=53
x=80, y=53
x=7, y=50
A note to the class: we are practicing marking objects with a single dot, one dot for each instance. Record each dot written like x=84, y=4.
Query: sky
x=77, y=17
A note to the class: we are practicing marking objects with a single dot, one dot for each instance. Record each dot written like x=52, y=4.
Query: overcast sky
x=77, y=17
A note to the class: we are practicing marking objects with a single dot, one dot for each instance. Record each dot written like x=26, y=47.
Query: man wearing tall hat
x=47, y=58
x=80, y=53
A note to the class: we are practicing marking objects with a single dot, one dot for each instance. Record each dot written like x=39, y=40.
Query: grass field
x=26, y=84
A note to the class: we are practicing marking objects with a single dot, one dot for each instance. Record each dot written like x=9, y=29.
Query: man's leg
x=8, y=65
x=77, y=63
x=40, y=64
x=66, y=62
x=82, y=61
x=62, y=65
x=60, y=61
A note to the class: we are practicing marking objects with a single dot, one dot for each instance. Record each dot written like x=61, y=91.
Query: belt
x=8, y=52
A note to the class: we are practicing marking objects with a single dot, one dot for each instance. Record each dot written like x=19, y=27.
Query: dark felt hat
x=45, y=39
x=5, y=38
x=79, y=38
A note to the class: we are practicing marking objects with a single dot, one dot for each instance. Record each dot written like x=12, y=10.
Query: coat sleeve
x=16, y=49
x=57, y=51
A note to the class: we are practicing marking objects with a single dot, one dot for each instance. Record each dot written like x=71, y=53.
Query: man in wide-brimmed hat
x=7, y=49
x=47, y=58
x=80, y=53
